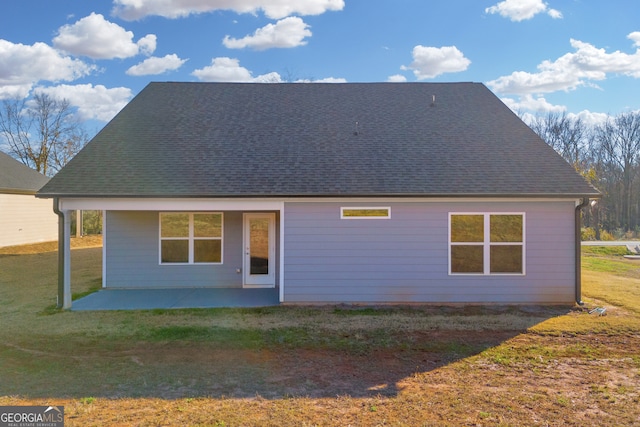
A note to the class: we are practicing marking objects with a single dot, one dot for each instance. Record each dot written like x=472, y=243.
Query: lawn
x=306, y=366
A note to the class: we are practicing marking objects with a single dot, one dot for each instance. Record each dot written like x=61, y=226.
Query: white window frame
x=486, y=244
x=361, y=208
x=191, y=238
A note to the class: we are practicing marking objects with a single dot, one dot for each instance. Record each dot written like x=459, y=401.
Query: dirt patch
x=571, y=383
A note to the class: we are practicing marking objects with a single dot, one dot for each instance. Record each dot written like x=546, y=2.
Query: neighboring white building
x=23, y=218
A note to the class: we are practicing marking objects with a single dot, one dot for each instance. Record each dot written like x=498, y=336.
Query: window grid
x=487, y=243
x=191, y=238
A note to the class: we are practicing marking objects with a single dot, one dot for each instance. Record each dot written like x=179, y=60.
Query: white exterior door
x=259, y=250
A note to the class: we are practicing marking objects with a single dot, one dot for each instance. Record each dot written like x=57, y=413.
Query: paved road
x=612, y=243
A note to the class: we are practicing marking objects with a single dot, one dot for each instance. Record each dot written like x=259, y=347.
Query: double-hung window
x=191, y=238
x=486, y=243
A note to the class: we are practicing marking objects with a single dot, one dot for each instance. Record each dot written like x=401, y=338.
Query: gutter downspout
x=578, y=245
x=61, y=252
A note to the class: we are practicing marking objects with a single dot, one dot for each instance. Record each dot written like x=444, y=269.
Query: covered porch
x=244, y=269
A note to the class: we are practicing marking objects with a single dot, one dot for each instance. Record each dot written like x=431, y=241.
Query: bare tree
x=42, y=133
x=608, y=156
x=618, y=149
x=566, y=135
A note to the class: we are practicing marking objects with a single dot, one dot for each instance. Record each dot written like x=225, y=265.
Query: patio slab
x=147, y=299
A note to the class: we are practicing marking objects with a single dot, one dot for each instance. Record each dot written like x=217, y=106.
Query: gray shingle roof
x=18, y=178
x=352, y=139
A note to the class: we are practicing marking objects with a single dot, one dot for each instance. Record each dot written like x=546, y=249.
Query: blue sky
x=576, y=56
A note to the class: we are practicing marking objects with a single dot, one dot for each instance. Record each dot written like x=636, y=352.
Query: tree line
x=608, y=156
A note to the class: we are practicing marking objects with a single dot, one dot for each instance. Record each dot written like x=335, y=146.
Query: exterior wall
x=132, y=254
x=25, y=219
x=405, y=258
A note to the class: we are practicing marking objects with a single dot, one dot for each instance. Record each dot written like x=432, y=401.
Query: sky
x=580, y=57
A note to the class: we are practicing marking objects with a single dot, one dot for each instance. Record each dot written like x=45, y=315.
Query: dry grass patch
x=91, y=241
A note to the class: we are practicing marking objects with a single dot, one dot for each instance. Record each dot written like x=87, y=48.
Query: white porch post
x=66, y=260
x=64, y=255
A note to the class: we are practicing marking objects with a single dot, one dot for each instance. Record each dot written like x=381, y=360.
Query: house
x=23, y=218
x=330, y=193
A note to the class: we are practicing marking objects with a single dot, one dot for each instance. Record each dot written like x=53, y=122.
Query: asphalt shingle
x=352, y=139
x=18, y=178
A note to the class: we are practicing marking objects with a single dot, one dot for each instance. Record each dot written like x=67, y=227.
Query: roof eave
x=592, y=195
x=19, y=191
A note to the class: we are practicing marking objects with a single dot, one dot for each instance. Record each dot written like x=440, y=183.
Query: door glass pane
x=259, y=245
x=467, y=228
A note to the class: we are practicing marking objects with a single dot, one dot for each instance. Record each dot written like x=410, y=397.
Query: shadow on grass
x=188, y=360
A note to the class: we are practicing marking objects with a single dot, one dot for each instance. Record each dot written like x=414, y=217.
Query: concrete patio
x=147, y=299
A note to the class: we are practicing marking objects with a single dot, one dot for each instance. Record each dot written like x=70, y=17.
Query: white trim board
x=167, y=205
x=266, y=204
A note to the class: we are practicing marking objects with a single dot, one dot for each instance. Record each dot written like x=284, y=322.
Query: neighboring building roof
x=16, y=178
x=314, y=139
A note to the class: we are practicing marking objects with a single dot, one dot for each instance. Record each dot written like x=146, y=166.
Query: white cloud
x=97, y=38
x=325, y=80
x=635, y=37
x=22, y=66
x=147, y=44
x=271, y=77
x=582, y=67
x=93, y=102
x=520, y=10
x=429, y=62
x=286, y=33
x=555, y=14
x=274, y=9
x=589, y=118
x=224, y=69
x=155, y=65
x=397, y=78
x=529, y=103
x=331, y=80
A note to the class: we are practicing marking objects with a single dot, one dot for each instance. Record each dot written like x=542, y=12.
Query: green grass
x=610, y=251
x=609, y=277
x=364, y=311
x=608, y=265
x=227, y=337
x=93, y=286
x=609, y=259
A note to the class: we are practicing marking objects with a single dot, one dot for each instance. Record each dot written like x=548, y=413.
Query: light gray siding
x=405, y=258
x=132, y=254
